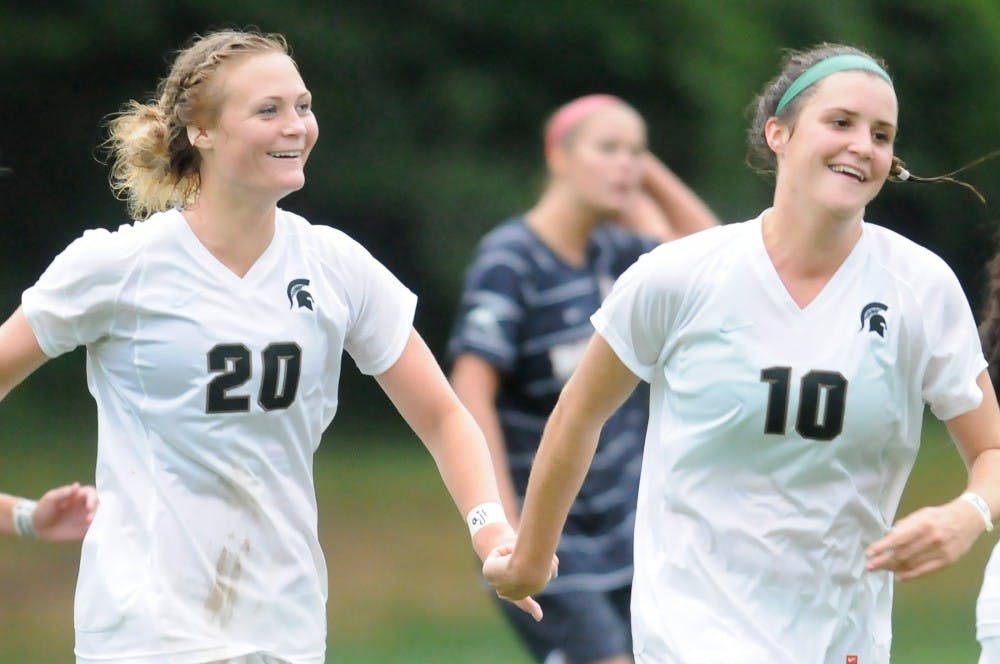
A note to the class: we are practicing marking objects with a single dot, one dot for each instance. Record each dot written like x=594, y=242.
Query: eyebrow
x=307, y=93
x=854, y=114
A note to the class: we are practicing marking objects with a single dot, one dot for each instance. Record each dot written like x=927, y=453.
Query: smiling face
x=838, y=152
x=265, y=127
x=601, y=159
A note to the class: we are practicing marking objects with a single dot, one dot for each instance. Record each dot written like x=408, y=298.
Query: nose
x=861, y=143
x=294, y=126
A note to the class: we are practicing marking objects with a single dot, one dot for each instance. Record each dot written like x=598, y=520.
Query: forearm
x=564, y=456
x=7, y=513
x=984, y=479
x=685, y=211
x=463, y=461
x=486, y=417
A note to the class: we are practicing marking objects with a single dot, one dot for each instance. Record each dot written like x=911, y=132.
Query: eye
x=268, y=110
x=304, y=107
x=882, y=137
x=841, y=123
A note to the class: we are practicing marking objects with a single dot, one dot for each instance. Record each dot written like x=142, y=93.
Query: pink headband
x=569, y=115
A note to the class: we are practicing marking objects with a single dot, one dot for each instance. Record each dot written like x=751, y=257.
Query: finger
x=931, y=565
x=530, y=606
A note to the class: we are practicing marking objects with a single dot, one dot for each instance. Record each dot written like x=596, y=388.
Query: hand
x=926, y=540
x=64, y=514
x=500, y=573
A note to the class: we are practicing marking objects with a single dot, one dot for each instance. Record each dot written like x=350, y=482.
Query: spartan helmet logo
x=298, y=295
x=871, y=314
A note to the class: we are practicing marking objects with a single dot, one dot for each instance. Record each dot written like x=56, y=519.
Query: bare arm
x=934, y=537
x=666, y=209
x=476, y=382
x=20, y=354
x=62, y=514
x=595, y=391
x=421, y=394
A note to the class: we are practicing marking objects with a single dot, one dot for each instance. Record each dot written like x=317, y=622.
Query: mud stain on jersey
x=223, y=595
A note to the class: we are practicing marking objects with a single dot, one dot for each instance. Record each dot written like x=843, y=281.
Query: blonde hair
x=154, y=165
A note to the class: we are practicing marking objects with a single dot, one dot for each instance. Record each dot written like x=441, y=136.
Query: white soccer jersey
x=212, y=392
x=988, y=604
x=779, y=440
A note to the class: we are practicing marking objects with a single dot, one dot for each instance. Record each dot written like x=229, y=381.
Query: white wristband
x=981, y=506
x=23, y=511
x=483, y=515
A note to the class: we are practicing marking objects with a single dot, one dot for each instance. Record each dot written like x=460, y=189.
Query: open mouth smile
x=289, y=154
x=849, y=171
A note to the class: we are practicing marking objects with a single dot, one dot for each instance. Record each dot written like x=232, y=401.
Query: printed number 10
x=821, y=403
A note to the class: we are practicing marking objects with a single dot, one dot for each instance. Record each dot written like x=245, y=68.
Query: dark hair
x=989, y=328
x=794, y=64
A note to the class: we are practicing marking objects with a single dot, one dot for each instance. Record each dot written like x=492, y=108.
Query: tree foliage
x=431, y=111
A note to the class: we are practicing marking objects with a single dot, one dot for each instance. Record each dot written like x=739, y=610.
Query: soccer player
x=214, y=332
x=60, y=515
x=789, y=359
x=988, y=604
x=521, y=328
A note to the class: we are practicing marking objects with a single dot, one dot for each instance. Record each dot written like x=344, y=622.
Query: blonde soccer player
x=215, y=329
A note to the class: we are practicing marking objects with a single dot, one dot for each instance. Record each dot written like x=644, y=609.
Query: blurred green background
x=430, y=114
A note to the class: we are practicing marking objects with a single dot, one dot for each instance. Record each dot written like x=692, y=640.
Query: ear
x=776, y=133
x=198, y=137
x=556, y=158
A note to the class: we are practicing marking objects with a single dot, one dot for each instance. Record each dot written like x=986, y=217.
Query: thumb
x=530, y=606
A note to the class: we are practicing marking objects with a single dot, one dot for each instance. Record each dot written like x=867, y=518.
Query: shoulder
x=707, y=249
x=100, y=248
x=910, y=263
x=326, y=242
x=509, y=247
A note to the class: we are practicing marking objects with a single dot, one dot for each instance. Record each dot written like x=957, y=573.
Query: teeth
x=285, y=154
x=839, y=168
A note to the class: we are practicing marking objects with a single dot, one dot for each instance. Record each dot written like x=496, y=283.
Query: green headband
x=823, y=68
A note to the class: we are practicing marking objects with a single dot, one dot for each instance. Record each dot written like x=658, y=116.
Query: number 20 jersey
x=780, y=439
x=212, y=393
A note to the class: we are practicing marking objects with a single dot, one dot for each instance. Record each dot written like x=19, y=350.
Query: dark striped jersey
x=527, y=313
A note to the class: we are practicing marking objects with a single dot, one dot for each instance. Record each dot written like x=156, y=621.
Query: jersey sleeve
x=491, y=310
x=638, y=316
x=73, y=303
x=954, y=352
x=382, y=314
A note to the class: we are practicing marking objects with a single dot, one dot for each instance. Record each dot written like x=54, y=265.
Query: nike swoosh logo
x=727, y=328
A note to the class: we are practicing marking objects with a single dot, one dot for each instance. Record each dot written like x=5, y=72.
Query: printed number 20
x=282, y=366
x=816, y=420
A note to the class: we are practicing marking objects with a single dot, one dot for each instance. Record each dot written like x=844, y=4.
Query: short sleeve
x=73, y=303
x=491, y=310
x=954, y=351
x=382, y=314
x=639, y=314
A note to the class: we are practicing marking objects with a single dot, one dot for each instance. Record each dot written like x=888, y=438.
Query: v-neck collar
x=776, y=287
x=206, y=258
x=590, y=255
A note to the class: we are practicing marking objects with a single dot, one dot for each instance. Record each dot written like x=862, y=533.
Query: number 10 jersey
x=212, y=393
x=780, y=439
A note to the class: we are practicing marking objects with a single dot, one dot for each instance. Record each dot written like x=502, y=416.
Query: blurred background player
x=214, y=332
x=790, y=358
x=60, y=515
x=522, y=325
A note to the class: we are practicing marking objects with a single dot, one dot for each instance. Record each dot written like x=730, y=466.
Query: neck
x=235, y=228
x=804, y=241
x=564, y=224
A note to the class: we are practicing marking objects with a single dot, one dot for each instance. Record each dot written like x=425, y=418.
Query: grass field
x=403, y=583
